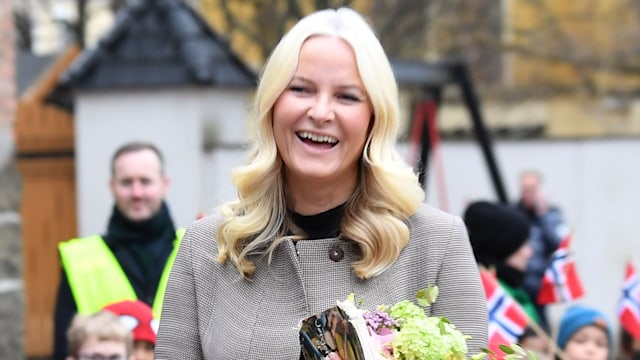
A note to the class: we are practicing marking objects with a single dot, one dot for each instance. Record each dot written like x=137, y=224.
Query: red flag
x=507, y=319
x=629, y=305
x=560, y=282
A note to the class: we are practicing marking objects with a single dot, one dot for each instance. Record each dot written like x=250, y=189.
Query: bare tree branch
x=473, y=30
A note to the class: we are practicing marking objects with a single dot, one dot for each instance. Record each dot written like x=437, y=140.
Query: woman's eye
x=349, y=97
x=298, y=89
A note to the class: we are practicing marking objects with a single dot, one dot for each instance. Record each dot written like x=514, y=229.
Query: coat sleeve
x=179, y=332
x=461, y=296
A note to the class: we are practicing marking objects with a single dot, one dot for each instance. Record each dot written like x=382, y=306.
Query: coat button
x=336, y=253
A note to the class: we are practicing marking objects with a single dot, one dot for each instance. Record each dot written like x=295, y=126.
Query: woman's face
x=588, y=343
x=321, y=120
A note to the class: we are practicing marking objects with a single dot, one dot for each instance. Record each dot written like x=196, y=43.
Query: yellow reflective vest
x=96, y=278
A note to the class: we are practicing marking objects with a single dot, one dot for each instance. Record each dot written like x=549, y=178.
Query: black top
x=320, y=226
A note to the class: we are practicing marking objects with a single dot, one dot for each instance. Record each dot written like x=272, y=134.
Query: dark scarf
x=510, y=275
x=147, y=242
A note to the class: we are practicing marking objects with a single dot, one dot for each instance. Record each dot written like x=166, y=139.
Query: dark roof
x=29, y=67
x=158, y=43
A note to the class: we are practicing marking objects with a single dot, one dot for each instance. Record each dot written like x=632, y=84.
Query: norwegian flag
x=629, y=305
x=560, y=282
x=507, y=319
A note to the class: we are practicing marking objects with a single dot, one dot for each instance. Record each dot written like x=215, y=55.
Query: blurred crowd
x=522, y=244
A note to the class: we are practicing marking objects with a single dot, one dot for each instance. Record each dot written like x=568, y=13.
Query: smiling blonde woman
x=326, y=207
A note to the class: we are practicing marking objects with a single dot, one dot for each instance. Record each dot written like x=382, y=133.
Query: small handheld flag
x=629, y=304
x=507, y=319
x=561, y=282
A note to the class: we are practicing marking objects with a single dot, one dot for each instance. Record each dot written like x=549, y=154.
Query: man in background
x=132, y=260
x=547, y=231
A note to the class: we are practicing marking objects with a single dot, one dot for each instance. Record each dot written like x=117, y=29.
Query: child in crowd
x=138, y=318
x=539, y=345
x=499, y=238
x=584, y=334
x=98, y=336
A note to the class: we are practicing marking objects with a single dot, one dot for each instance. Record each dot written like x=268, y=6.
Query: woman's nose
x=321, y=109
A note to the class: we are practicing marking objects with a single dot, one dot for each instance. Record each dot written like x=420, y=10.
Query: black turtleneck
x=141, y=248
x=320, y=226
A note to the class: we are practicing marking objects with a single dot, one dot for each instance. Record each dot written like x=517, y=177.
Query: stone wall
x=11, y=289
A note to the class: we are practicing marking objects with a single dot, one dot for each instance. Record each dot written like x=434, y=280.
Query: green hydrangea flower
x=429, y=338
x=404, y=311
x=420, y=337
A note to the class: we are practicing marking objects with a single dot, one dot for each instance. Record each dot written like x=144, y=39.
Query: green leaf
x=443, y=330
x=427, y=296
x=517, y=349
x=506, y=349
x=487, y=351
x=352, y=298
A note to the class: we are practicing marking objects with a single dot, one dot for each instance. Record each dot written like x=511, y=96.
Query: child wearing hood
x=584, y=334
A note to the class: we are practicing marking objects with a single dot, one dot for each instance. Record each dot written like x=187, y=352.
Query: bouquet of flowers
x=401, y=331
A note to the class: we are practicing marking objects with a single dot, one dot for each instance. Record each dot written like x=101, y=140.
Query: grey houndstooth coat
x=210, y=312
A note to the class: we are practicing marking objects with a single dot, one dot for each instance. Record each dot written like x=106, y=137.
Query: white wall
x=217, y=185
x=173, y=120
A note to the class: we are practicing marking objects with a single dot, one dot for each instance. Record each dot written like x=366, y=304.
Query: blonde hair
x=388, y=191
x=103, y=325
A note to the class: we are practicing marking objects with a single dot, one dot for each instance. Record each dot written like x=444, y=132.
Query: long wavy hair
x=387, y=192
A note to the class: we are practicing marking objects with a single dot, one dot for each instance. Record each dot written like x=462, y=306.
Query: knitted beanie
x=138, y=317
x=577, y=317
x=496, y=231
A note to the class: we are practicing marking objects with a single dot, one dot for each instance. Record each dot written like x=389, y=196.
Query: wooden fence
x=44, y=144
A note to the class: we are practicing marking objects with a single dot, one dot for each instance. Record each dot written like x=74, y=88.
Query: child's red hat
x=138, y=317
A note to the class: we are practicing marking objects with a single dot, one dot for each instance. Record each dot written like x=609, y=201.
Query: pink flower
x=382, y=342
